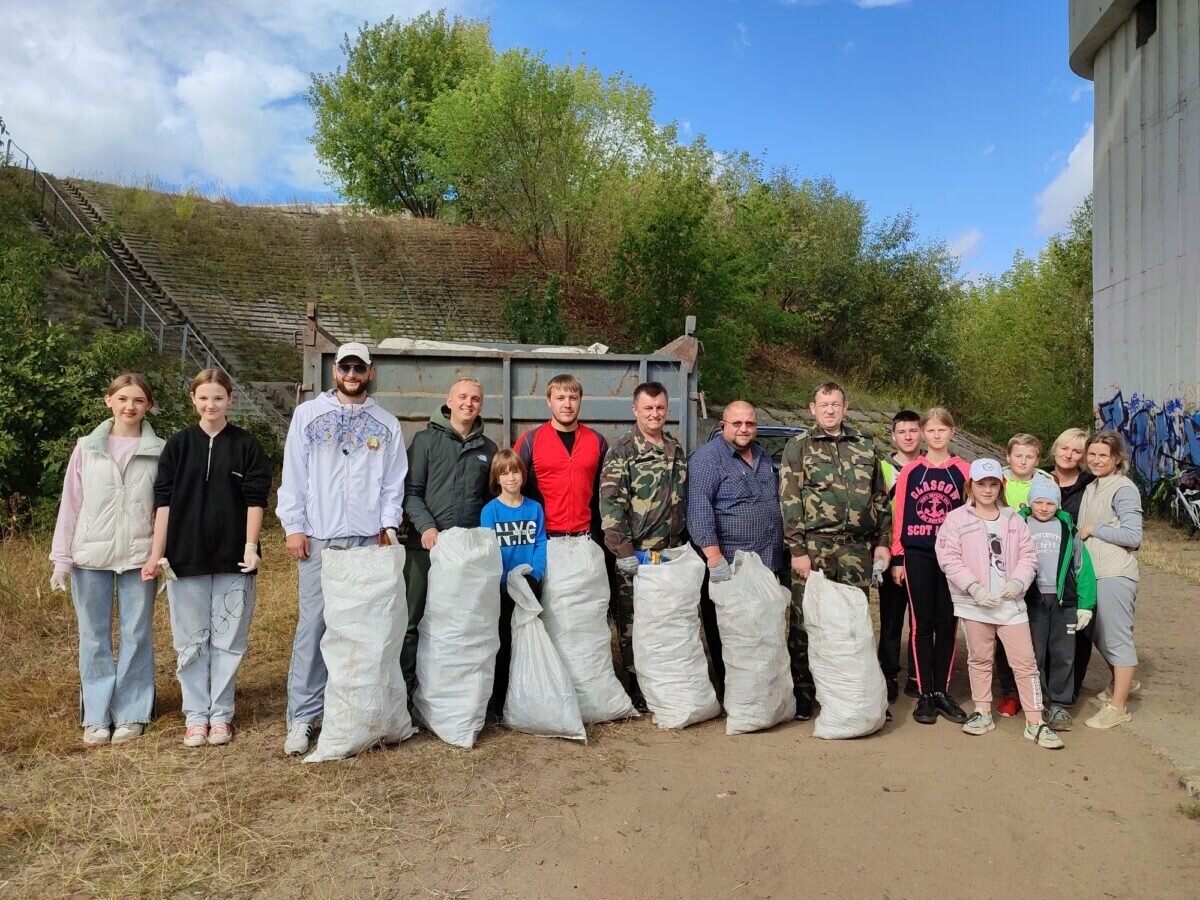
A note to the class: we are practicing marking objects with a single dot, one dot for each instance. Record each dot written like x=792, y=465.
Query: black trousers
x=932, y=620
x=504, y=656
x=893, y=610
x=1083, y=656
x=712, y=637
x=1053, y=630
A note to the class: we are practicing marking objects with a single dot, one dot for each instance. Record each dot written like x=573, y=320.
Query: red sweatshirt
x=925, y=494
x=564, y=483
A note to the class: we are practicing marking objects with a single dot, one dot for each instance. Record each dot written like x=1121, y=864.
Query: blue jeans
x=210, y=619
x=115, y=691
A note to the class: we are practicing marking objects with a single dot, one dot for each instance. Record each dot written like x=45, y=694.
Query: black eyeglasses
x=356, y=368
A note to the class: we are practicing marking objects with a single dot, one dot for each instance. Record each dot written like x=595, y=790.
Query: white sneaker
x=95, y=735
x=299, y=737
x=1105, y=696
x=129, y=732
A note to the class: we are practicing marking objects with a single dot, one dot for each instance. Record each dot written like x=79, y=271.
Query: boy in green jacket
x=1061, y=600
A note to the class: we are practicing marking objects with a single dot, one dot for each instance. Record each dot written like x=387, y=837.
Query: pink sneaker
x=220, y=733
x=195, y=736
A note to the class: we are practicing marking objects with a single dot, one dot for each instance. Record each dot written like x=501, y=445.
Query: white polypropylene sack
x=752, y=610
x=843, y=660
x=540, y=699
x=672, y=670
x=575, y=612
x=458, y=637
x=366, y=615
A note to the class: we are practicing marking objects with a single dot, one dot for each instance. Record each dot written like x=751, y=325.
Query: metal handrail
x=159, y=324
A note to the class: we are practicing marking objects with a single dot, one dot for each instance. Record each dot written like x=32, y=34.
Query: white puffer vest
x=115, y=528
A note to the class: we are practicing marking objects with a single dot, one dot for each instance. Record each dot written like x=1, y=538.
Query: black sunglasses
x=356, y=368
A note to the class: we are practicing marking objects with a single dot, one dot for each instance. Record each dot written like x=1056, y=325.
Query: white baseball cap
x=354, y=348
x=986, y=468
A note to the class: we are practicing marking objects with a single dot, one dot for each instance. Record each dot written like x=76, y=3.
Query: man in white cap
x=343, y=484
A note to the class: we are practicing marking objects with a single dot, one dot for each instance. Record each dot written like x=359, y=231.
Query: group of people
x=1036, y=563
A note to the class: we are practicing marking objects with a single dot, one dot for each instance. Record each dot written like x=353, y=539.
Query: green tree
x=542, y=152
x=371, y=128
x=1022, y=341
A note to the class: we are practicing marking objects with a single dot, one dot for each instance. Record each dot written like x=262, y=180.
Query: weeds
x=1191, y=810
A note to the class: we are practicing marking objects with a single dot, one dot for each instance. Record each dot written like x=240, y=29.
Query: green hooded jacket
x=1076, y=577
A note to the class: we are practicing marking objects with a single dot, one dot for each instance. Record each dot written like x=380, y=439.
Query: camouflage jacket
x=832, y=486
x=643, y=494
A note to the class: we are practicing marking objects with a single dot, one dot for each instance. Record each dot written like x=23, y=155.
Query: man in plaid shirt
x=733, y=504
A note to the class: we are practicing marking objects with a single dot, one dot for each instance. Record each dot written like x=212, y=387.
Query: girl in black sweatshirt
x=212, y=485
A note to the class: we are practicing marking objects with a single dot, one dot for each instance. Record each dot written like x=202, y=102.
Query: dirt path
x=912, y=812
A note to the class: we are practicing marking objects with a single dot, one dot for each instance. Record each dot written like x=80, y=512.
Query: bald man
x=733, y=504
x=446, y=487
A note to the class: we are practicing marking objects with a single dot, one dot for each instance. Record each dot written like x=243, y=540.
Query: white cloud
x=1083, y=90
x=848, y=47
x=1068, y=189
x=877, y=4
x=201, y=93
x=989, y=149
x=965, y=245
x=742, y=41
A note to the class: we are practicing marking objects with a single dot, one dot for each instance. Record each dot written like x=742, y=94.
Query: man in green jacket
x=836, y=515
x=446, y=487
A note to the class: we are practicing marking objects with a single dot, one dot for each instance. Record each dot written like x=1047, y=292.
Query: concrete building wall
x=1146, y=246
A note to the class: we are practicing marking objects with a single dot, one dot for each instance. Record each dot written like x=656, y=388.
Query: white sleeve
x=289, y=506
x=391, y=496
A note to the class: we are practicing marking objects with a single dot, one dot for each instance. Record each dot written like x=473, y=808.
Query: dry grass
x=153, y=818
x=1169, y=549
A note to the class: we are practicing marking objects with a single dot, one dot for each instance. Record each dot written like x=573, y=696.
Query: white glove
x=251, y=559
x=720, y=572
x=627, y=565
x=983, y=597
x=877, y=571
x=1012, y=591
x=1083, y=618
x=391, y=533
x=58, y=581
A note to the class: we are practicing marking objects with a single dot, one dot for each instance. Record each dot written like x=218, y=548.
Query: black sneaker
x=804, y=708
x=893, y=689
x=948, y=708
x=926, y=712
x=911, y=689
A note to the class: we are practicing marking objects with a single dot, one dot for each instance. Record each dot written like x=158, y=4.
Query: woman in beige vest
x=1110, y=523
x=101, y=542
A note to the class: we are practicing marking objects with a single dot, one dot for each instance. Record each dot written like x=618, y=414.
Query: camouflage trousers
x=622, y=613
x=841, y=562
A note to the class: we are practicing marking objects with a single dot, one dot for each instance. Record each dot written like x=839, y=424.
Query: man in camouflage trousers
x=643, y=505
x=836, y=516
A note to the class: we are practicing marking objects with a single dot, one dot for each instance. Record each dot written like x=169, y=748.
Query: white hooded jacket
x=343, y=470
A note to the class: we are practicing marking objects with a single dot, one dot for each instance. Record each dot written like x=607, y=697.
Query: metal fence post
x=183, y=343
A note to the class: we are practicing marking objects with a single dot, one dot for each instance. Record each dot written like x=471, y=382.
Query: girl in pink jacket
x=988, y=556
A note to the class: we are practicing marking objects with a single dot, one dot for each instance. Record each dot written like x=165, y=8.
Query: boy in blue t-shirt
x=520, y=526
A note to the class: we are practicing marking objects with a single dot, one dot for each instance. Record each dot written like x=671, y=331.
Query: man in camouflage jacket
x=643, y=504
x=836, y=517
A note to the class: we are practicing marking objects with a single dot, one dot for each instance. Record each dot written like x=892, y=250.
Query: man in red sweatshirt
x=563, y=458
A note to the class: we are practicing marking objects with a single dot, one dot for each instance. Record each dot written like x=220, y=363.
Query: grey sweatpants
x=307, y=674
x=1052, y=628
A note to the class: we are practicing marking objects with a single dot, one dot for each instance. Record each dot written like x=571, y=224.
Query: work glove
x=1012, y=591
x=983, y=597
x=250, y=560
x=720, y=572
x=627, y=565
x=1083, y=618
x=58, y=581
x=393, y=540
x=877, y=572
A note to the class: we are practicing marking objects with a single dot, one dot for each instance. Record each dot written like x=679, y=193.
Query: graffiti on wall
x=1162, y=438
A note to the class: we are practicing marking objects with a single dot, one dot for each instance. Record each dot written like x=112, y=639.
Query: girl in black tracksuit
x=927, y=489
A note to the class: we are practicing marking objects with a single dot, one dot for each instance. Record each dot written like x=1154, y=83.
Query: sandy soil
x=915, y=811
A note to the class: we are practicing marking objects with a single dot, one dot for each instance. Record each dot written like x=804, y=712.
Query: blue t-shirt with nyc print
x=521, y=531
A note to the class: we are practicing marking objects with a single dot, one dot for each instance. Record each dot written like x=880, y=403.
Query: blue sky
x=964, y=112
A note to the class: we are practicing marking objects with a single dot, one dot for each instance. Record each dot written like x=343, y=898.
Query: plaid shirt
x=735, y=505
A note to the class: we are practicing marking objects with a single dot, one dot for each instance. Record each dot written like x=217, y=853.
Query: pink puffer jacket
x=962, y=553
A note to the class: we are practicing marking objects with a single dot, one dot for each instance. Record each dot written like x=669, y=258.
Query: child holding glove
x=212, y=485
x=1061, y=600
x=987, y=553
